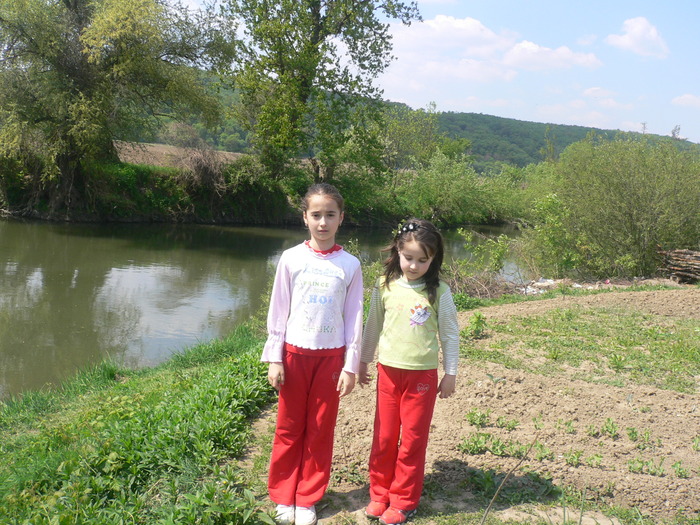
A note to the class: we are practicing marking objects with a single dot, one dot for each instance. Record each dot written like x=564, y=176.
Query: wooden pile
x=682, y=264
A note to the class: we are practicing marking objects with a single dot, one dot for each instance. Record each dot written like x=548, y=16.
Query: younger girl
x=314, y=333
x=409, y=310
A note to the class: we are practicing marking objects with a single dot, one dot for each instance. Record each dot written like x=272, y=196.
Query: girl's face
x=414, y=262
x=323, y=218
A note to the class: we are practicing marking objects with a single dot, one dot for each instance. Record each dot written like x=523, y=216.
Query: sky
x=629, y=65
x=615, y=64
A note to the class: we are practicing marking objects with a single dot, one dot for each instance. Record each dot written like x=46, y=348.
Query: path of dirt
x=672, y=420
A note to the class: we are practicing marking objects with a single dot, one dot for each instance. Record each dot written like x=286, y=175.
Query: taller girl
x=411, y=314
x=314, y=335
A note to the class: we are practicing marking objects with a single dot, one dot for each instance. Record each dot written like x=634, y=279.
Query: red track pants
x=302, y=450
x=405, y=403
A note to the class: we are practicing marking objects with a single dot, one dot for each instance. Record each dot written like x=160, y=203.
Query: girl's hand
x=364, y=375
x=447, y=386
x=346, y=383
x=275, y=375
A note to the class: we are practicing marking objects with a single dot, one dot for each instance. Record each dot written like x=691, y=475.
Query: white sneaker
x=285, y=515
x=305, y=516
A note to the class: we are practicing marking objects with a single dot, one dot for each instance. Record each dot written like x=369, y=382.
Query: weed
x=617, y=362
x=632, y=434
x=350, y=473
x=696, y=443
x=477, y=326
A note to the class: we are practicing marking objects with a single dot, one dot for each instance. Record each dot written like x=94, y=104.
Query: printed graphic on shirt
x=419, y=315
x=322, y=291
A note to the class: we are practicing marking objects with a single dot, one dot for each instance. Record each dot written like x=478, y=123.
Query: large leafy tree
x=76, y=74
x=306, y=72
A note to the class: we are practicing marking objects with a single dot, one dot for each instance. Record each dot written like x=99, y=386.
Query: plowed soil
x=554, y=411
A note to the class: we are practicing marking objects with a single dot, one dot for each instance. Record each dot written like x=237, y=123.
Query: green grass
x=627, y=347
x=164, y=445
x=138, y=447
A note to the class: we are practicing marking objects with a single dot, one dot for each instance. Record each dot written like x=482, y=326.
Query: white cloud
x=640, y=37
x=687, y=100
x=456, y=37
x=587, y=40
x=530, y=56
x=597, y=92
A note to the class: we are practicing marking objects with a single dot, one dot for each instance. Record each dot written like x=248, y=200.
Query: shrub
x=613, y=204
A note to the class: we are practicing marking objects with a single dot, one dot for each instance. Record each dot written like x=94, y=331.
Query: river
x=73, y=295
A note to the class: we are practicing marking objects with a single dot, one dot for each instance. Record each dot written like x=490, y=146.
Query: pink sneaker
x=375, y=509
x=394, y=516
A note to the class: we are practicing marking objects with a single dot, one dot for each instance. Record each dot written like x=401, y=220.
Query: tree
x=306, y=70
x=76, y=74
x=628, y=198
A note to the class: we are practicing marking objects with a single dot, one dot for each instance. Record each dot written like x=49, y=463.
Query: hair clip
x=409, y=227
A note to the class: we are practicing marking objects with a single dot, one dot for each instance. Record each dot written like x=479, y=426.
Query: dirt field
x=160, y=154
x=672, y=418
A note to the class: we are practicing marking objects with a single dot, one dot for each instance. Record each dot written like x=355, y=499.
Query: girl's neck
x=322, y=247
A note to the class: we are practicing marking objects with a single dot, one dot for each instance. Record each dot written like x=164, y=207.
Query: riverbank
x=174, y=444
x=120, y=446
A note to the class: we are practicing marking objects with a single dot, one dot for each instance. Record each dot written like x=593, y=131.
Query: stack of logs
x=682, y=264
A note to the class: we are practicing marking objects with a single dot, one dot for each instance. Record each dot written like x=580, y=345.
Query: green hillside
x=497, y=139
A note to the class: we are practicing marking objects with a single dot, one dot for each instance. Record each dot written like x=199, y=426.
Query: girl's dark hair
x=323, y=188
x=430, y=239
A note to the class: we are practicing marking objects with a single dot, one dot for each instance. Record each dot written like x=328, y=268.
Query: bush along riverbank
x=117, y=446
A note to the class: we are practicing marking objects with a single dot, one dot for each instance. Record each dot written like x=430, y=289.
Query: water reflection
x=72, y=295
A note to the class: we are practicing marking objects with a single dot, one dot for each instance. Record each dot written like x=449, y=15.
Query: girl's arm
x=278, y=313
x=352, y=316
x=448, y=332
x=370, y=337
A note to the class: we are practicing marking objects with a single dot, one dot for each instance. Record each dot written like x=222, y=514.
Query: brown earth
x=548, y=403
x=162, y=154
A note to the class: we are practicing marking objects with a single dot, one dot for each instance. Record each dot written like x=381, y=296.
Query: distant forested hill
x=497, y=139
x=510, y=141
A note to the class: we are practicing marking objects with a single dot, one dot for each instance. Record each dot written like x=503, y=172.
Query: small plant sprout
x=594, y=461
x=679, y=470
x=573, y=457
x=617, y=362
x=508, y=424
x=542, y=452
x=610, y=429
x=538, y=422
x=495, y=380
x=593, y=431
x=477, y=443
x=641, y=466
x=632, y=434
x=569, y=427
x=478, y=418
x=696, y=443
x=477, y=326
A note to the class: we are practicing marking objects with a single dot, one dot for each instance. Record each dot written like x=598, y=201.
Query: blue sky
x=616, y=64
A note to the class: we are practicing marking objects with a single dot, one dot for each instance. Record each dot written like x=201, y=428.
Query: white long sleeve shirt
x=316, y=303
